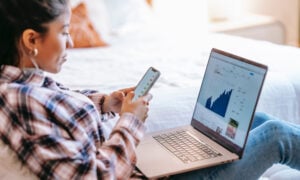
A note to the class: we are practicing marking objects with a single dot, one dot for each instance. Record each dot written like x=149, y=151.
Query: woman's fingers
x=147, y=97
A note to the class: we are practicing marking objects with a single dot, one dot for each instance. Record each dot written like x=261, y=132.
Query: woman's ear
x=29, y=38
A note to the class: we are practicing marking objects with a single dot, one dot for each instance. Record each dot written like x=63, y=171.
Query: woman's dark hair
x=19, y=15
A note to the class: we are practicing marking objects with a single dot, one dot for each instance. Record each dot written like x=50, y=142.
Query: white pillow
x=183, y=16
x=98, y=15
x=127, y=15
x=11, y=167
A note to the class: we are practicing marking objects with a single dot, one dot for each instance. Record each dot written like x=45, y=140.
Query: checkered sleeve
x=96, y=98
x=61, y=138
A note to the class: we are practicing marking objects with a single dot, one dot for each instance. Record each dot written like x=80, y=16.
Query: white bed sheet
x=182, y=59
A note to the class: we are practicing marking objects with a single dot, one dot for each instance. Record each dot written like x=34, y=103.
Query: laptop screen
x=227, y=99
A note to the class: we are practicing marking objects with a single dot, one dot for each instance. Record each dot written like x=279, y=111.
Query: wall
x=286, y=11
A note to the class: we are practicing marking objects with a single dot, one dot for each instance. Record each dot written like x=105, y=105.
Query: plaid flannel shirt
x=60, y=136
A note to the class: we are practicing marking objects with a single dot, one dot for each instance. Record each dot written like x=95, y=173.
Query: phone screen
x=146, y=82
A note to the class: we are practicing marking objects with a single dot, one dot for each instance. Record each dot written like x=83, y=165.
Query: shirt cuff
x=132, y=124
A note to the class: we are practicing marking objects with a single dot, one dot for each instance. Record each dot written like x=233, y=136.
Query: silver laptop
x=220, y=123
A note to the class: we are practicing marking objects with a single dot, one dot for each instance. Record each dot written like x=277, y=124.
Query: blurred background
x=271, y=20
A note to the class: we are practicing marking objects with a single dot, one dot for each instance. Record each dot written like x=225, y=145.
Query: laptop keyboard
x=186, y=147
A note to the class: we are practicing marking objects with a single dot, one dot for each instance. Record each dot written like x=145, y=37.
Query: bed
x=181, y=57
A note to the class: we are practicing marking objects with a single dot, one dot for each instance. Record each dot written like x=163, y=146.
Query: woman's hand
x=113, y=102
x=139, y=107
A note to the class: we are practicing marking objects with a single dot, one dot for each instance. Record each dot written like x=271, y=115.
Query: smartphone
x=145, y=84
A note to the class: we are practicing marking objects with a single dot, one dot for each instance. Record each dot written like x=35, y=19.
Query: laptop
x=220, y=123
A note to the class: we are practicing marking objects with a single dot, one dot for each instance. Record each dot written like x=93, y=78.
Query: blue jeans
x=270, y=141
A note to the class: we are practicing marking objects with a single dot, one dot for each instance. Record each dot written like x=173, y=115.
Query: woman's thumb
x=130, y=95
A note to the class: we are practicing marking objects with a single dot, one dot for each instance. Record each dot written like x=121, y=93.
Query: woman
x=58, y=133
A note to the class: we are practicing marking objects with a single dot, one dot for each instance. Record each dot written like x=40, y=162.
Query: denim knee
x=260, y=118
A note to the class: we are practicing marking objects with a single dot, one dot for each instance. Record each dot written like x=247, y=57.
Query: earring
x=34, y=52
